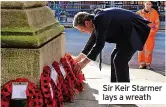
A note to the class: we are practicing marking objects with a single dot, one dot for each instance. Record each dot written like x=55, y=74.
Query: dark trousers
x=120, y=57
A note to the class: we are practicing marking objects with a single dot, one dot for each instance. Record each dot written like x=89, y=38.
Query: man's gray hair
x=79, y=18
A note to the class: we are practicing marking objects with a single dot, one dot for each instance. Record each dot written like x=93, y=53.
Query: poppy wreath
x=79, y=76
x=46, y=83
x=66, y=84
x=34, y=95
x=75, y=82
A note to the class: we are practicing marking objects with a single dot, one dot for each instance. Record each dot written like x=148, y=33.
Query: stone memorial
x=31, y=38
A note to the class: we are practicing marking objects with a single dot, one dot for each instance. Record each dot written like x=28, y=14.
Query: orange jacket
x=151, y=16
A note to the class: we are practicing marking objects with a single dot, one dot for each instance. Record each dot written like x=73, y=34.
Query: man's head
x=83, y=22
x=148, y=5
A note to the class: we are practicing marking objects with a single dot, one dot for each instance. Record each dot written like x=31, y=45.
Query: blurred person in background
x=150, y=14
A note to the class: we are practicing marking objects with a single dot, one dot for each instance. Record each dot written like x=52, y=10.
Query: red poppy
x=31, y=88
x=70, y=79
x=80, y=76
x=78, y=86
x=65, y=84
x=72, y=63
x=4, y=104
x=46, y=82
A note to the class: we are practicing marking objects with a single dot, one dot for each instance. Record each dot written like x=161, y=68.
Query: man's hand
x=80, y=65
x=79, y=58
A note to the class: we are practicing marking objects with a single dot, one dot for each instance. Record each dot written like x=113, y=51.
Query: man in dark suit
x=113, y=25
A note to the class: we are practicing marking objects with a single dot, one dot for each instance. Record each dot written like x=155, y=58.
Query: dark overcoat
x=116, y=25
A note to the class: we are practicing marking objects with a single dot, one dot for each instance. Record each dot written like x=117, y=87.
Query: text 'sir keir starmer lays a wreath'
x=132, y=93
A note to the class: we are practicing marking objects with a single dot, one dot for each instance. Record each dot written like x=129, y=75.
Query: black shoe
x=148, y=67
x=142, y=67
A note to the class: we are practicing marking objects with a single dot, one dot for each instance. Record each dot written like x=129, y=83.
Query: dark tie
x=100, y=62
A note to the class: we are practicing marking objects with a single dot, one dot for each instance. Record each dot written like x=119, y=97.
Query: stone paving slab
x=91, y=90
x=122, y=105
x=151, y=105
x=84, y=103
x=138, y=105
x=89, y=97
x=92, y=72
x=146, y=75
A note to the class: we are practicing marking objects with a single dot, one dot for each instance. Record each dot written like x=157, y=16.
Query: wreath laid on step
x=54, y=93
x=34, y=95
x=51, y=91
x=65, y=81
x=79, y=76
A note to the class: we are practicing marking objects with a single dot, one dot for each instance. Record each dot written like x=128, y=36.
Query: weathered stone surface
x=24, y=41
x=21, y=4
x=29, y=63
x=26, y=21
x=34, y=26
x=31, y=38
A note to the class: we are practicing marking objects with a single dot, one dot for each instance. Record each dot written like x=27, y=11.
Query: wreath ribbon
x=80, y=77
x=65, y=83
x=47, y=83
